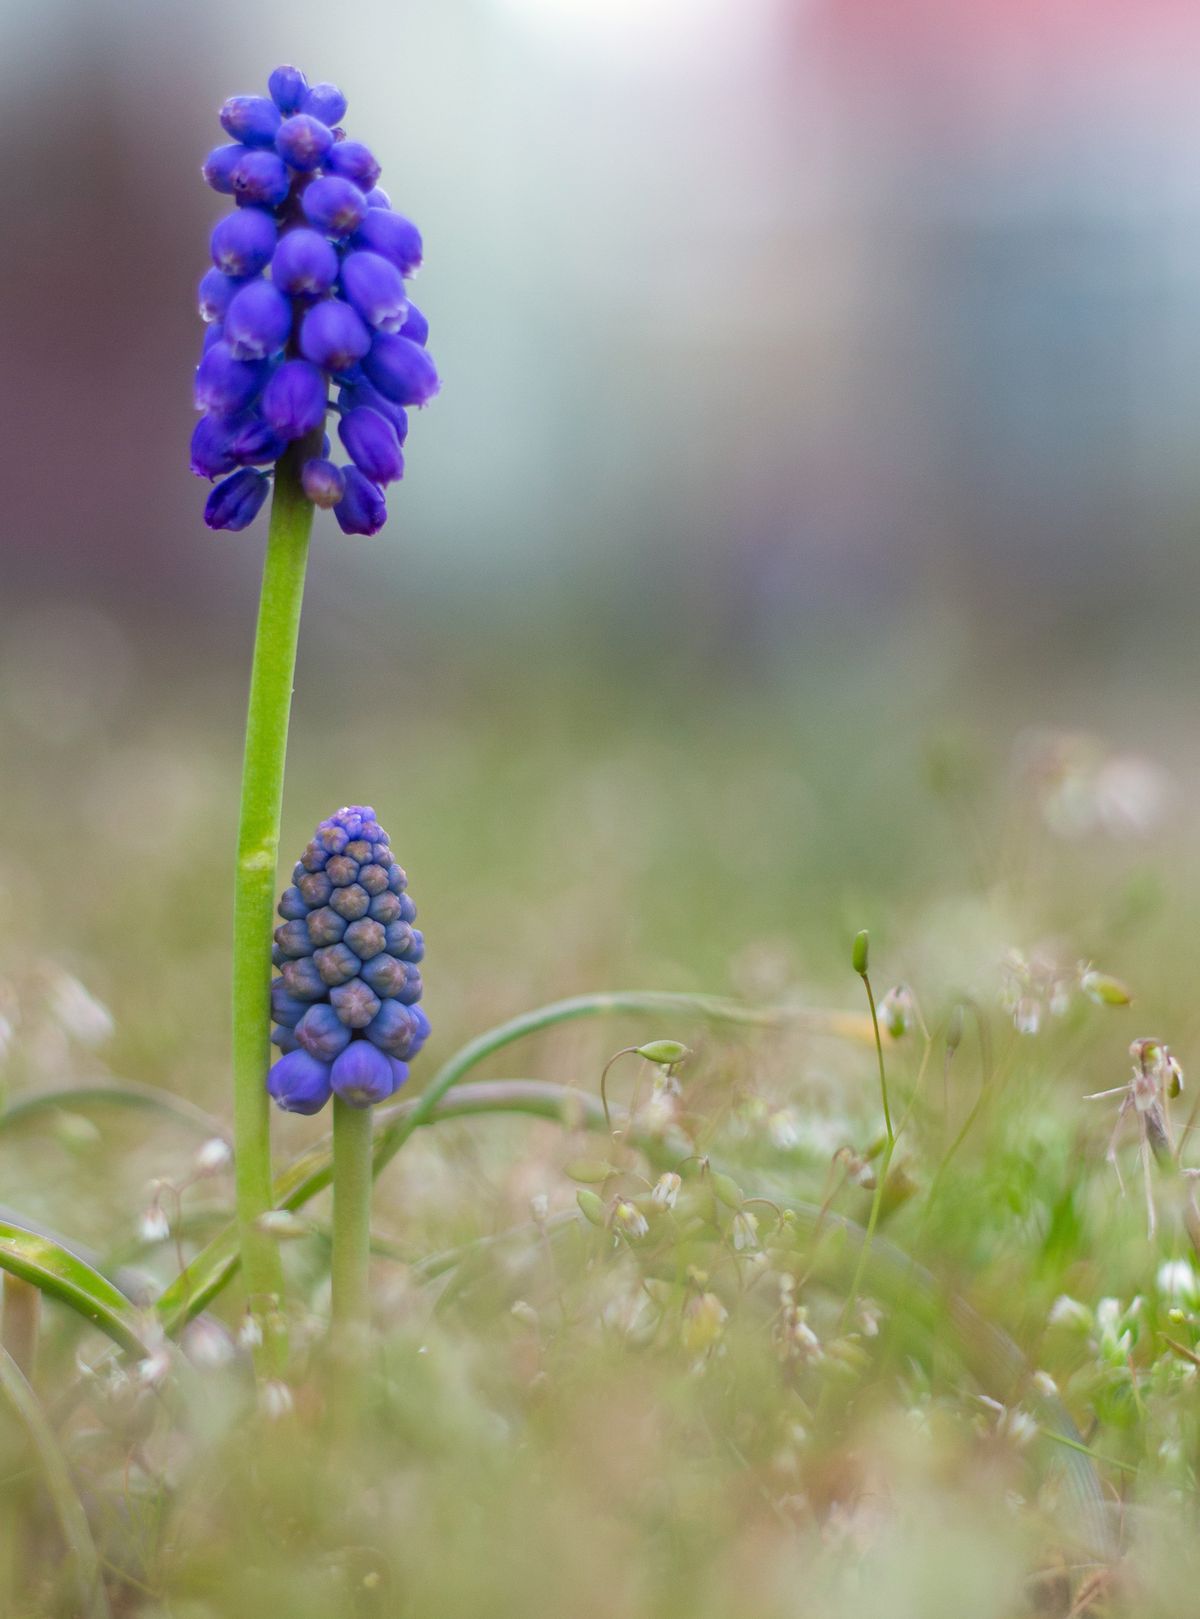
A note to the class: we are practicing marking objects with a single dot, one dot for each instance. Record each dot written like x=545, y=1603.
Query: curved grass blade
x=64, y=1276
x=195, y=1288
x=90, y=1601
x=127, y=1094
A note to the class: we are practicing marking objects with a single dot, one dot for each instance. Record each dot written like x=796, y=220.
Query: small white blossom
x=539, y=1206
x=276, y=1400
x=153, y=1225
x=1176, y=1279
x=214, y=1156
x=666, y=1190
x=744, y=1231
x=629, y=1220
x=77, y=1011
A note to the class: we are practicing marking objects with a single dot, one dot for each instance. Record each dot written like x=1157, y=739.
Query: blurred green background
x=816, y=435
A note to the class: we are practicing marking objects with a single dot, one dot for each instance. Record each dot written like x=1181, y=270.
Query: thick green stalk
x=353, y=1177
x=267, y=717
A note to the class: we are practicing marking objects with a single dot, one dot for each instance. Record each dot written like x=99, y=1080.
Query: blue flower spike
x=344, y=1004
x=307, y=289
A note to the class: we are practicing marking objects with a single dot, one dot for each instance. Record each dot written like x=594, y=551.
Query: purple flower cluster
x=307, y=285
x=345, y=1002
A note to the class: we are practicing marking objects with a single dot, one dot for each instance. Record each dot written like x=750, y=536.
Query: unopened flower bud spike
x=348, y=1024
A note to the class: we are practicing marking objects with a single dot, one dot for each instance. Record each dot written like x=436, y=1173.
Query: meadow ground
x=592, y=1390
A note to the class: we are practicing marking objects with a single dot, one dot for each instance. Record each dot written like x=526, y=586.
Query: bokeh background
x=814, y=475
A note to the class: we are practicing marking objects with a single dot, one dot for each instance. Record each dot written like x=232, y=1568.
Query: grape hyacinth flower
x=307, y=288
x=345, y=1002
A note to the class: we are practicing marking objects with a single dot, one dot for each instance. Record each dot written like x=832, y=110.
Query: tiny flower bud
x=744, y=1231
x=539, y=1207
x=858, y=955
x=590, y=1206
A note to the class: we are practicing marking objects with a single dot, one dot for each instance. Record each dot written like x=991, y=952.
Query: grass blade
x=90, y=1601
x=64, y=1276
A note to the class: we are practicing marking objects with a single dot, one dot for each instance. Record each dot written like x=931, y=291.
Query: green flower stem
x=353, y=1179
x=267, y=717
